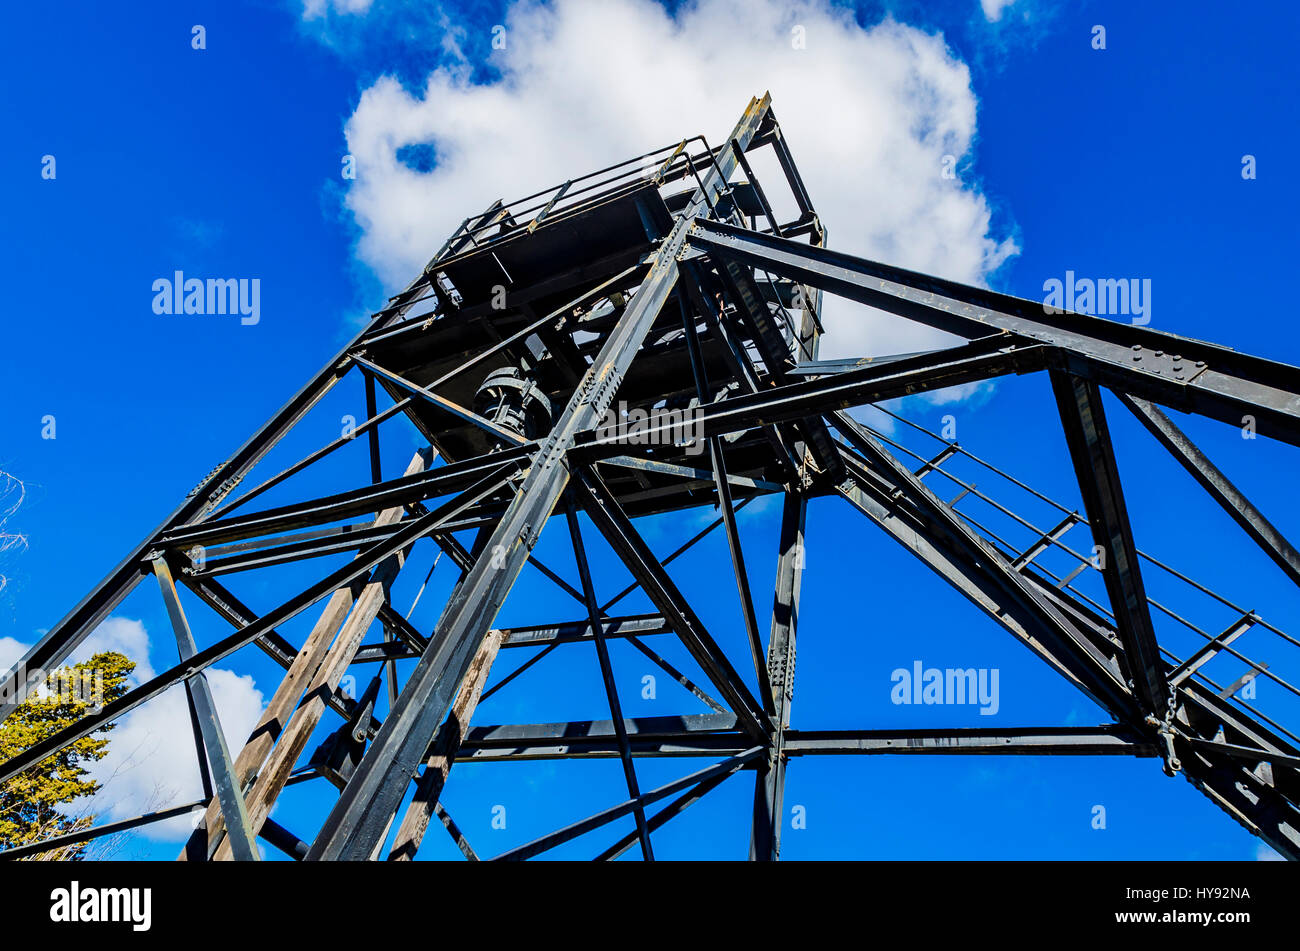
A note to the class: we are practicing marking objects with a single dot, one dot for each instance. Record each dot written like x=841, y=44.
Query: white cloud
x=993, y=8
x=315, y=9
x=124, y=635
x=151, y=761
x=870, y=115
x=11, y=651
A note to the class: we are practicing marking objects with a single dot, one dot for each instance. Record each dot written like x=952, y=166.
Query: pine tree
x=33, y=803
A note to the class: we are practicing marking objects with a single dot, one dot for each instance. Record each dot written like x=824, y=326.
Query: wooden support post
x=275, y=773
x=422, y=808
x=302, y=671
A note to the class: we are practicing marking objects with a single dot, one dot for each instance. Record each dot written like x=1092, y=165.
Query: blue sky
x=225, y=161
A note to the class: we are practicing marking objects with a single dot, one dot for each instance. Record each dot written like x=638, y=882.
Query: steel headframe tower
x=668, y=283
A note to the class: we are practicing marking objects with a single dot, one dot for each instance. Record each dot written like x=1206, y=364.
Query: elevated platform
x=536, y=269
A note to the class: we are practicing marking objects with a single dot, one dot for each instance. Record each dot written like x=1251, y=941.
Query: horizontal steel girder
x=716, y=735
x=984, y=359
x=1187, y=374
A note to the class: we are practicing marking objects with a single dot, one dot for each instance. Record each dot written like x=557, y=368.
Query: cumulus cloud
x=124, y=635
x=315, y=9
x=873, y=115
x=152, y=762
x=993, y=8
x=11, y=651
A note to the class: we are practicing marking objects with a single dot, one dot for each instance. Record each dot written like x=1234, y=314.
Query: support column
x=429, y=787
x=769, y=783
x=205, y=711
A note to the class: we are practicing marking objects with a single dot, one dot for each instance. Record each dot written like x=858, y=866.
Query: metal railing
x=1053, y=538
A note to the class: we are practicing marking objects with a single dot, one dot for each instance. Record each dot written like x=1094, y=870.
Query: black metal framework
x=667, y=283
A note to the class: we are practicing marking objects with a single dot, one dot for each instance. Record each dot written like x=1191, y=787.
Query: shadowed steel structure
x=665, y=293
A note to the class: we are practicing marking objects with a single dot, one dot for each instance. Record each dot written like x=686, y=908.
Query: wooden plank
x=301, y=672
x=422, y=808
x=274, y=774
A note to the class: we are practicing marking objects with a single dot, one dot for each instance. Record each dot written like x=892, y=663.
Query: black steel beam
x=769, y=782
x=693, y=736
x=677, y=675
x=1083, y=420
x=428, y=396
x=659, y=726
x=701, y=746
x=1109, y=740
x=405, y=490
x=1220, y=487
x=978, y=360
x=1177, y=371
x=242, y=843
x=372, y=435
x=611, y=686
x=582, y=827
x=664, y=594
x=284, y=840
x=577, y=631
x=97, y=832
x=670, y=811
x=224, y=602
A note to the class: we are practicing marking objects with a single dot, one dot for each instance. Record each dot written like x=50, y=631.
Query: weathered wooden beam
x=429, y=788
x=306, y=664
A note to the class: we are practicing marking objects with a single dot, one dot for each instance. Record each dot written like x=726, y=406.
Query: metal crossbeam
x=1220, y=488
x=1088, y=438
x=1188, y=374
x=214, y=740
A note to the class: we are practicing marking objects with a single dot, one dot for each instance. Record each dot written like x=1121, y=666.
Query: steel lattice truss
x=668, y=281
